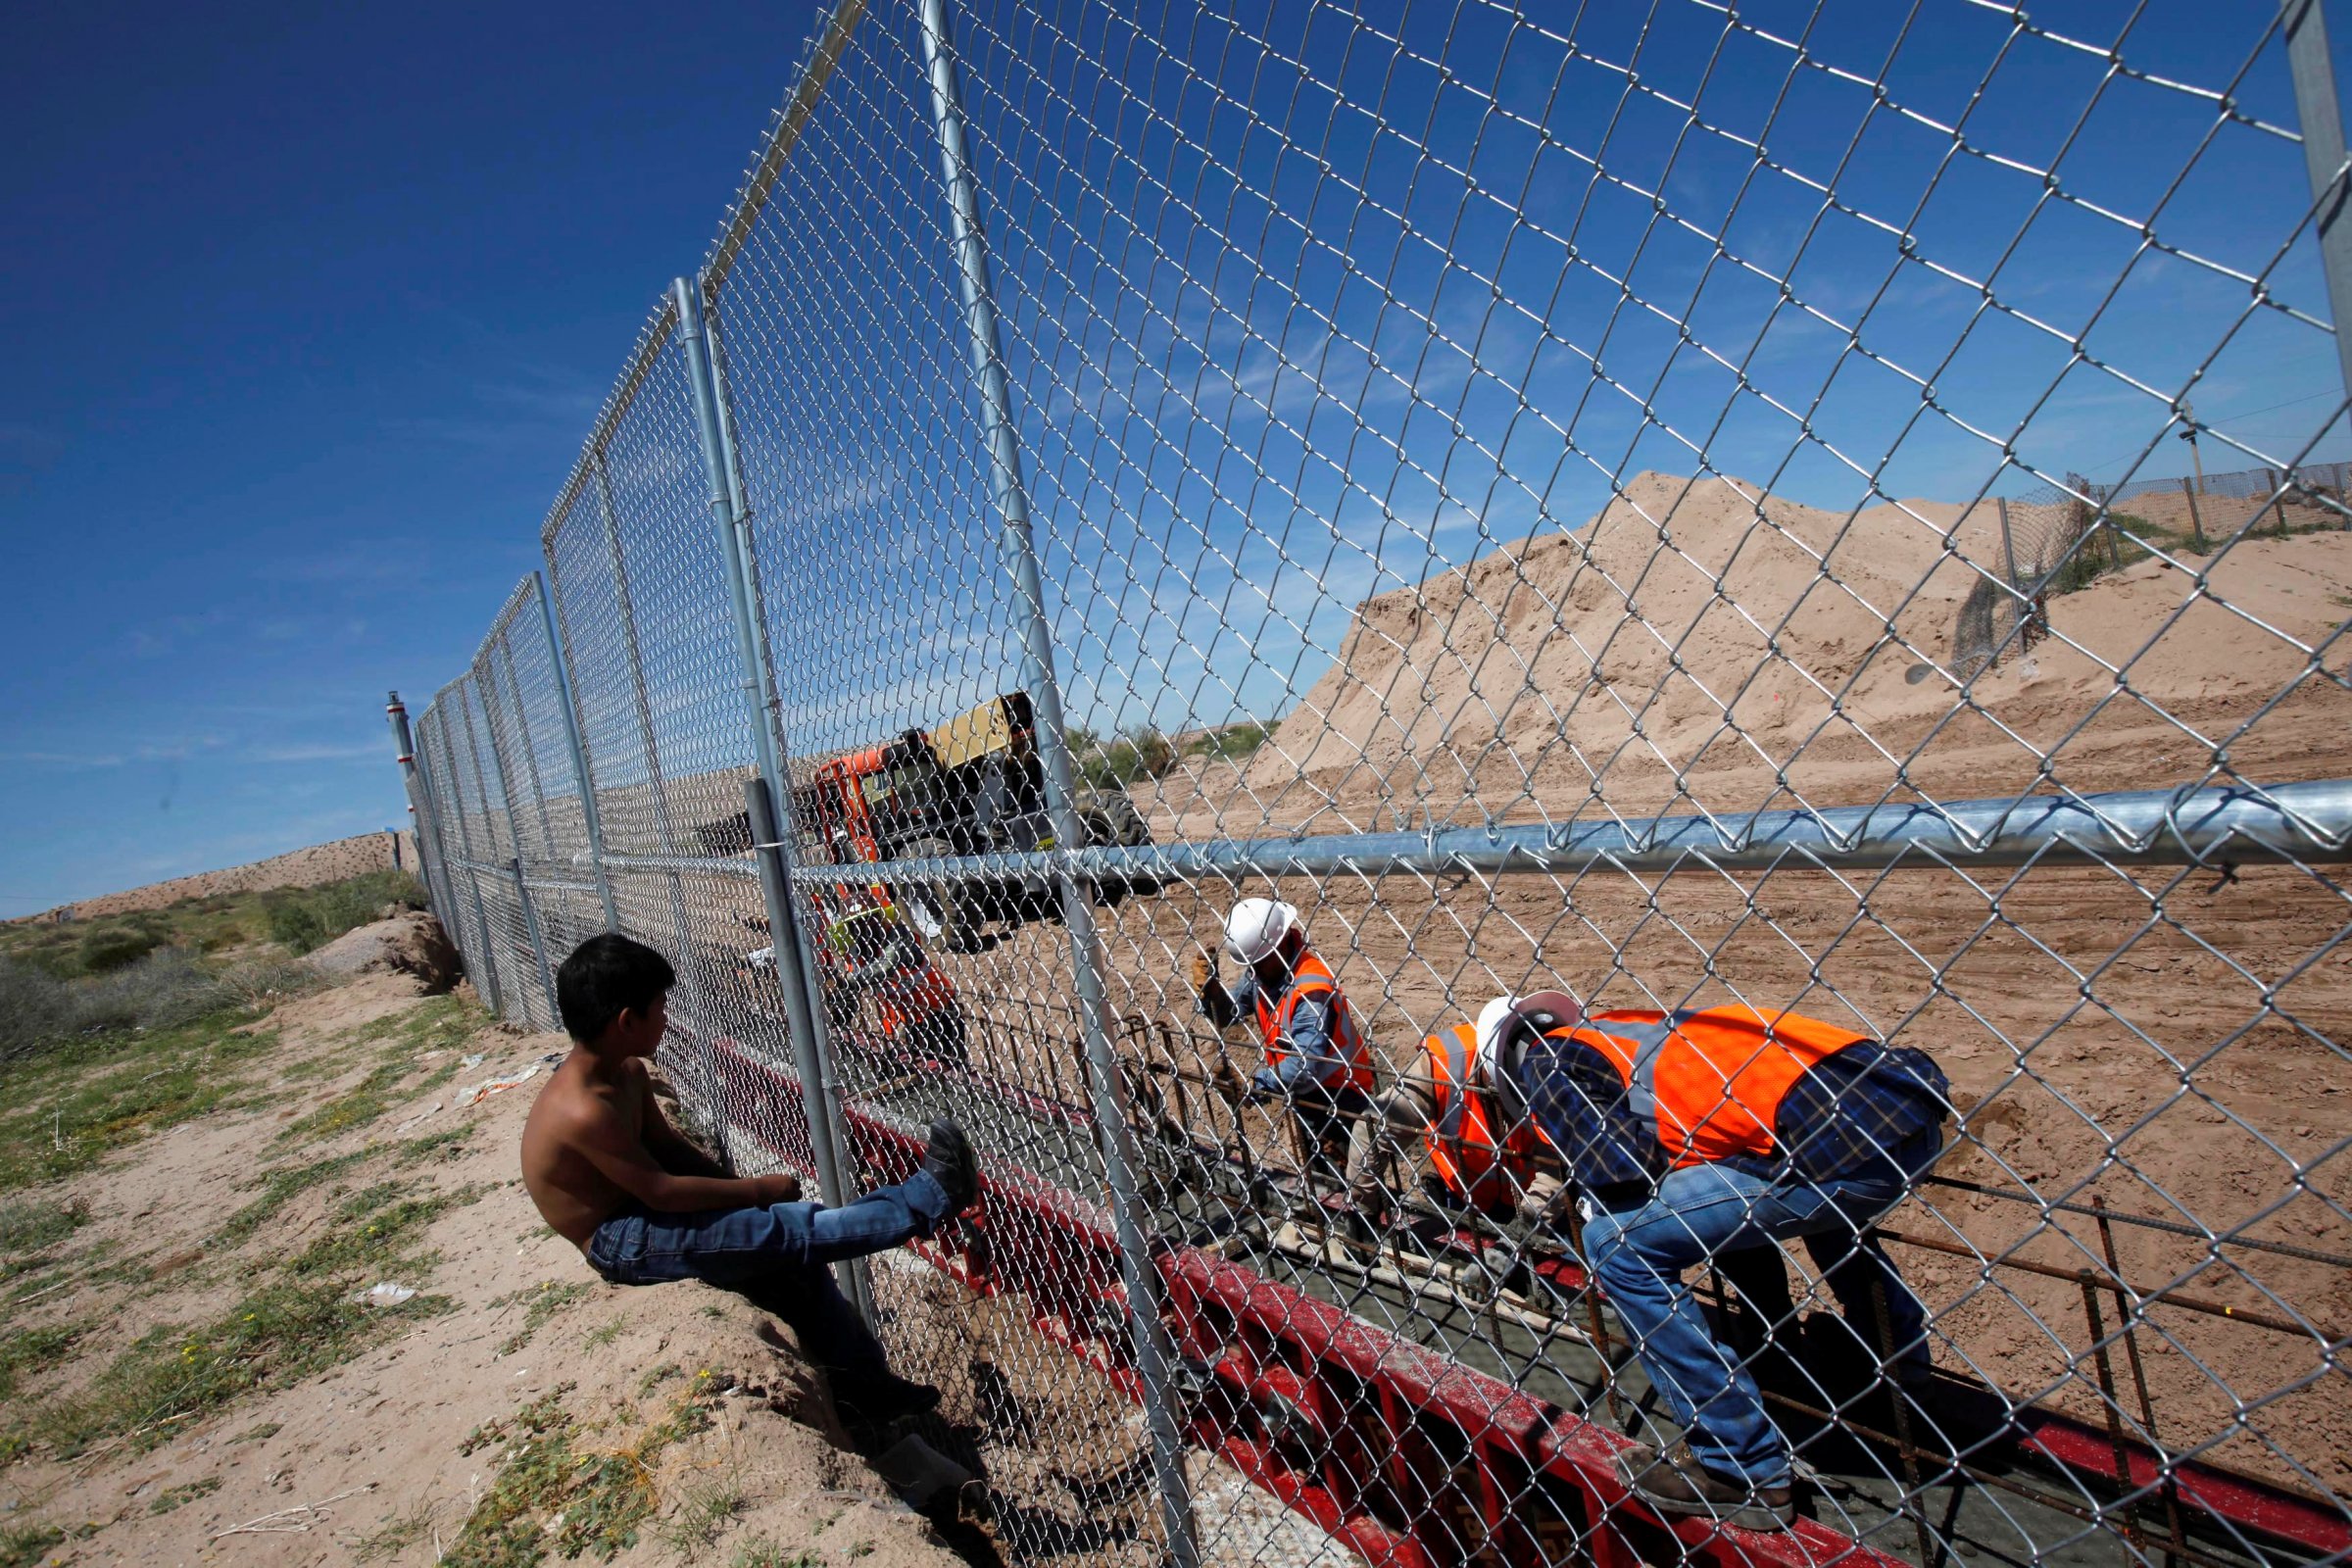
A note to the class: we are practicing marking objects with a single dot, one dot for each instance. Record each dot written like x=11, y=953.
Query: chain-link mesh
x=1585, y=504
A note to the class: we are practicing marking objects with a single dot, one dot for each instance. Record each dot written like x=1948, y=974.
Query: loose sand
x=390, y=1422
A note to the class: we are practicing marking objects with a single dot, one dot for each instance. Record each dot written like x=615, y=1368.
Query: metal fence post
x=2323, y=125
x=564, y=699
x=803, y=1014
x=1153, y=1351
x=795, y=973
x=428, y=850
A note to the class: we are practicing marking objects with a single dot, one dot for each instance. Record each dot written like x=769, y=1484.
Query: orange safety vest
x=1461, y=1142
x=1314, y=977
x=1709, y=1083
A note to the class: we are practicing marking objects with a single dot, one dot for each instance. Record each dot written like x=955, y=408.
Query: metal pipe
x=794, y=965
x=2306, y=823
x=568, y=703
x=817, y=1084
x=1153, y=1351
x=429, y=859
x=2322, y=124
x=790, y=123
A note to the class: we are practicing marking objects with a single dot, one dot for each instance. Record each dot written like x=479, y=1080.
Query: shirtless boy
x=646, y=1206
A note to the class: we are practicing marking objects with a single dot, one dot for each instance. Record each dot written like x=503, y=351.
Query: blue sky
x=313, y=314
x=1310, y=307
x=308, y=311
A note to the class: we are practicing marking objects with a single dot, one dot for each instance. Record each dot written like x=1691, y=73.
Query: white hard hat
x=1491, y=1019
x=1543, y=1012
x=1256, y=927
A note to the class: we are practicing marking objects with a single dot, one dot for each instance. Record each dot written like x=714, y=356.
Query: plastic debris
x=383, y=1293
x=476, y=1094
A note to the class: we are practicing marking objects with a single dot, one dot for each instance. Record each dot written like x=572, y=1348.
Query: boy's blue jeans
x=1640, y=1256
x=777, y=1258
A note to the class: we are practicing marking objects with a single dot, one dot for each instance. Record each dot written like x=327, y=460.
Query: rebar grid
x=1475, y=463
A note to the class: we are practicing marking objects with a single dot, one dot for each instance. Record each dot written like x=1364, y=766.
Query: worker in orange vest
x=1480, y=1155
x=1316, y=1057
x=1692, y=1134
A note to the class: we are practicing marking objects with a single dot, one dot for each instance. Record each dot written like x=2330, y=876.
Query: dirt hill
x=1701, y=645
x=296, y=868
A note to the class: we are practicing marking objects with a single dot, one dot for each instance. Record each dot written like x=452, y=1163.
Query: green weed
x=73, y=1105
x=705, y=1510
x=1234, y=743
x=554, y=1493
x=304, y=1320
x=28, y=1350
x=300, y=920
x=435, y=1148
x=172, y=1497
x=27, y=1546
x=411, y=1527
x=762, y=1552
x=281, y=1185
x=443, y=1023
x=545, y=1300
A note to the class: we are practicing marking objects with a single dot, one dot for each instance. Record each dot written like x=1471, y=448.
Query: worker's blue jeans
x=776, y=1258
x=1641, y=1253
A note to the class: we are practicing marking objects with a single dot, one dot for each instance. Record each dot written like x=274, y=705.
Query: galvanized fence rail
x=1458, y=472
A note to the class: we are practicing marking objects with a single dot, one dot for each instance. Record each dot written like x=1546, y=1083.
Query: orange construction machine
x=972, y=786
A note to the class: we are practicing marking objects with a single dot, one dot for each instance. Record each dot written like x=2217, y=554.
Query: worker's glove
x=1228, y=1081
x=1204, y=970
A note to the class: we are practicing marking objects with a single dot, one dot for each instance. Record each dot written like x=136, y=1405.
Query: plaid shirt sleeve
x=1578, y=1102
x=1867, y=1102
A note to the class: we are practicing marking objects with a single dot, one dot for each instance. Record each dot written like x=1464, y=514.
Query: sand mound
x=1702, y=645
x=296, y=868
x=410, y=944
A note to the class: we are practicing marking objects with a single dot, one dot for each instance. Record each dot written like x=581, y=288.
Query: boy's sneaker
x=1676, y=1483
x=952, y=1163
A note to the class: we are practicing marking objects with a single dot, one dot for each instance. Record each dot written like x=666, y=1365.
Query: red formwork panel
x=1401, y=1454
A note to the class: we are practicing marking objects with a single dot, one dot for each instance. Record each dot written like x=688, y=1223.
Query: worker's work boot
x=952, y=1163
x=1675, y=1481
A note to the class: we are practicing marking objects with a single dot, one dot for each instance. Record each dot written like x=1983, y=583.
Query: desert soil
x=376, y=1443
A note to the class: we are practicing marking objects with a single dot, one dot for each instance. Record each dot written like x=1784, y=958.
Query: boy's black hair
x=605, y=976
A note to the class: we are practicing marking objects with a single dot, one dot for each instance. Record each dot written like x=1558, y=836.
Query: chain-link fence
x=2059, y=539
x=1456, y=474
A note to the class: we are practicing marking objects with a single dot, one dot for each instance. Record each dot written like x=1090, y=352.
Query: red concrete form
x=1410, y=1459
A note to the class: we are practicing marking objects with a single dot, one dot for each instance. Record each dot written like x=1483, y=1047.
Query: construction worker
x=872, y=954
x=1480, y=1157
x=1694, y=1133
x=1316, y=1057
